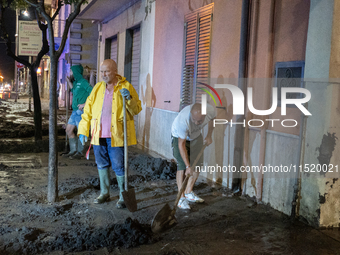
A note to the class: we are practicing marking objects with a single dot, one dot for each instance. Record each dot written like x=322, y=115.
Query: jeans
x=75, y=118
x=109, y=156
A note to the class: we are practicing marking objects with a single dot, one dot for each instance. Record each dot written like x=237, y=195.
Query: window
x=111, y=48
x=132, y=56
x=196, y=55
x=289, y=74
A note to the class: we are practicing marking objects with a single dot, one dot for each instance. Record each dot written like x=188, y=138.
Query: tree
x=39, y=5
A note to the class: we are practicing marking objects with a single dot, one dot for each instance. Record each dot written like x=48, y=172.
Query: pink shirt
x=105, y=129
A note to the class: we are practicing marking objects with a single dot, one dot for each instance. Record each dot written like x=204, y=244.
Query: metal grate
x=289, y=74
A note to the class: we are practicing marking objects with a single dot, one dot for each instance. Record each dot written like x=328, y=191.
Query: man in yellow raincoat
x=104, y=112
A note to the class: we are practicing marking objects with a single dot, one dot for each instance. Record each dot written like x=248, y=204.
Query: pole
x=16, y=53
x=67, y=106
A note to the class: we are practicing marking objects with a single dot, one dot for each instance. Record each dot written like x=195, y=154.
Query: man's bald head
x=108, y=70
x=196, y=114
x=110, y=63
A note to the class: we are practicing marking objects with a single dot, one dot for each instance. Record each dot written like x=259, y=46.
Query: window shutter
x=114, y=49
x=189, y=60
x=196, y=60
x=135, y=59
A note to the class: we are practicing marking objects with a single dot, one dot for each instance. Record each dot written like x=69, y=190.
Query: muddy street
x=223, y=224
x=74, y=225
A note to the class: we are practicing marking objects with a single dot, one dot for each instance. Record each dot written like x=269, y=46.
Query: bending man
x=104, y=111
x=186, y=144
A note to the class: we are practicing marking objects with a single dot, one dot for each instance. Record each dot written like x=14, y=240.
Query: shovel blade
x=130, y=199
x=163, y=220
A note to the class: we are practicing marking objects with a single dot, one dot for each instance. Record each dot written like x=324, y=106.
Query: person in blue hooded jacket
x=80, y=89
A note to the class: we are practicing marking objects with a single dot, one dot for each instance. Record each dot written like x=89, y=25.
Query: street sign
x=19, y=65
x=30, y=40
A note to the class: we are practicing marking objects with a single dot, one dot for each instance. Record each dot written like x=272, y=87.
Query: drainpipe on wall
x=243, y=64
x=269, y=74
x=100, y=34
x=300, y=162
x=253, y=27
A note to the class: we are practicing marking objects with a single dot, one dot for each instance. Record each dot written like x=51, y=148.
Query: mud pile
x=144, y=168
x=33, y=240
x=152, y=168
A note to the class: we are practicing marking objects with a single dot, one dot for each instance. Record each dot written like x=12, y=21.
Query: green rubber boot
x=79, y=152
x=120, y=204
x=104, y=179
x=73, y=147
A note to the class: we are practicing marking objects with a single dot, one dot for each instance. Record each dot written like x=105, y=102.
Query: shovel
x=129, y=194
x=165, y=218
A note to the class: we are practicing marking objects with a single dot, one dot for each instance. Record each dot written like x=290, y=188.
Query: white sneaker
x=192, y=197
x=183, y=203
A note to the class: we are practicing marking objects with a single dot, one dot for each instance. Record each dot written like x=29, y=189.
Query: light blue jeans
x=109, y=156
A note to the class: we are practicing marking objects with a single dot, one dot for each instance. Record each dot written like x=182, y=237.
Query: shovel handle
x=184, y=185
x=125, y=147
x=199, y=155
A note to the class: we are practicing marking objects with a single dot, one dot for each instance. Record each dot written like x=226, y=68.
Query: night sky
x=7, y=63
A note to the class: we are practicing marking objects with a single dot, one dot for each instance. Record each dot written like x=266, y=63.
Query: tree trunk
x=37, y=105
x=52, y=193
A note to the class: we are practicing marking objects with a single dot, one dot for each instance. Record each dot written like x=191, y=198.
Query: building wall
x=86, y=55
x=88, y=43
x=133, y=16
x=274, y=145
x=267, y=48
x=161, y=77
x=281, y=30
x=117, y=26
x=319, y=202
x=168, y=53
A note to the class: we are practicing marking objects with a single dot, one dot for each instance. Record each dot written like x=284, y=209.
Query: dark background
x=6, y=62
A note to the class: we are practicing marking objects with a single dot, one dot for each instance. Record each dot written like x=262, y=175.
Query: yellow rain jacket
x=93, y=110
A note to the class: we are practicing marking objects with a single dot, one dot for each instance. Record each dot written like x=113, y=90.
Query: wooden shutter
x=189, y=60
x=197, y=54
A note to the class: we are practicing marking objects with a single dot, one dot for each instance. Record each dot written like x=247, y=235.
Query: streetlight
x=25, y=13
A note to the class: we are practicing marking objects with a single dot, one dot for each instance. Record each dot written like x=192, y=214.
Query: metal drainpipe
x=297, y=184
x=243, y=66
x=254, y=21
x=268, y=75
x=100, y=34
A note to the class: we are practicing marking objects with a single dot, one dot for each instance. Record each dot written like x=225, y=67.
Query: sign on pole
x=30, y=40
x=19, y=65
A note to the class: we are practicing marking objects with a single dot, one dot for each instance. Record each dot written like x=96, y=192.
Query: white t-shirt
x=184, y=128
